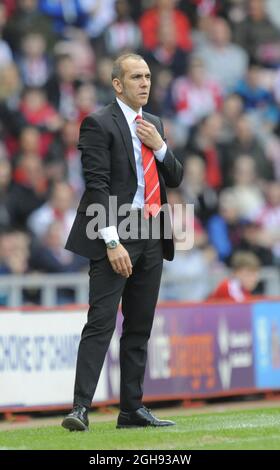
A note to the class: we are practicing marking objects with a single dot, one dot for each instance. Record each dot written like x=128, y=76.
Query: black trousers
x=139, y=297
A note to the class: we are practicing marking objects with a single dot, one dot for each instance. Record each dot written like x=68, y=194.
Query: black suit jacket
x=109, y=169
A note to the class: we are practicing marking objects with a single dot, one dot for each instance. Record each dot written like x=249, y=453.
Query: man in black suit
x=124, y=155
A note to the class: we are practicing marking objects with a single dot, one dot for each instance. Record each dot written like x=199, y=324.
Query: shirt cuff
x=109, y=233
x=160, y=154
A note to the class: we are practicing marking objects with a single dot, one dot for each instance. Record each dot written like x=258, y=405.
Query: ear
x=117, y=84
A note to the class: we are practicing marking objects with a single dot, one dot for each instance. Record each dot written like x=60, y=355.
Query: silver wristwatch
x=112, y=244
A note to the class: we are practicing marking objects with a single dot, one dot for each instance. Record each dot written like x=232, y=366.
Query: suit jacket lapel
x=121, y=122
x=146, y=117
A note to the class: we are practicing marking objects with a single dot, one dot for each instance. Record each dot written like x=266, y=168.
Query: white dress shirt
x=110, y=233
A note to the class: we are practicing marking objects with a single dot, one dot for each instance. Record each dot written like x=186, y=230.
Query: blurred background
x=216, y=85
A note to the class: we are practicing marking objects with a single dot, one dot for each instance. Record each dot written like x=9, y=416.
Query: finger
x=115, y=269
x=145, y=128
x=143, y=133
x=128, y=265
x=124, y=269
x=123, y=273
x=142, y=137
x=140, y=128
x=116, y=266
x=146, y=124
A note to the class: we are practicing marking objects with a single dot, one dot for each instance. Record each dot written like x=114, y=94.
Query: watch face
x=112, y=244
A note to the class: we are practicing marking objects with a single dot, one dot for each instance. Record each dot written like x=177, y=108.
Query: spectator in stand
x=225, y=228
x=204, y=141
x=28, y=19
x=14, y=257
x=202, y=22
x=49, y=255
x=86, y=101
x=29, y=189
x=195, y=96
x=103, y=81
x=159, y=102
x=201, y=32
x=269, y=220
x=176, y=138
x=225, y=62
x=167, y=54
x=100, y=14
x=29, y=144
x=231, y=111
x=243, y=281
x=193, y=255
x=165, y=12
x=62, y=85
x=122, y=35
x=10, y=86
x=196, y=191
x=258, y=35
x=11, y=121
x=272, y=151
x=5, y=189
x=59, y=207
x=33, y=62
x=257, y=99
x=254, y=239
x=36, y=111
x=248, y=193
x=64, y=159
x=64, y=14
x=78, y=47
x=246, y=142
x=14, y=252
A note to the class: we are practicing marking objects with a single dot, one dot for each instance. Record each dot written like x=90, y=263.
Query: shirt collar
x=129, y=113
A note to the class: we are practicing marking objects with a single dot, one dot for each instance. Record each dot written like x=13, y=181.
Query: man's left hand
x=149, y=135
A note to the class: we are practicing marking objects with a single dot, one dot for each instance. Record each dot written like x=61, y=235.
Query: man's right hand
x=120, y=260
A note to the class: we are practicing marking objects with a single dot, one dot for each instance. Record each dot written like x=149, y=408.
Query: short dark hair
x=117, y=70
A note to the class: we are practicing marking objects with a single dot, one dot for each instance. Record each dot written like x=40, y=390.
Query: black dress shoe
x=77, y=420
x=140, y=418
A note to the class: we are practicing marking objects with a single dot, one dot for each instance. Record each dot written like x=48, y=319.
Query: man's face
x=134, y=86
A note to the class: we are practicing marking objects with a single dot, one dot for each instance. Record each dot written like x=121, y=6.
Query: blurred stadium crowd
x=215, y=82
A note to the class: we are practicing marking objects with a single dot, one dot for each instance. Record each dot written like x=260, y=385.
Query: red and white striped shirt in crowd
x=193, y=102
x=230, y=289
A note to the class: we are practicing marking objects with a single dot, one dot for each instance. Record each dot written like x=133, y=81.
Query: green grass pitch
x=246, y=429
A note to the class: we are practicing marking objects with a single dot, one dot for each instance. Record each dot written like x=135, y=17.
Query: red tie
x=152, y=202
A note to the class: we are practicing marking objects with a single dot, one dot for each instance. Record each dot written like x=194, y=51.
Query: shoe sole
x=74, y=424
x=129, y=426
